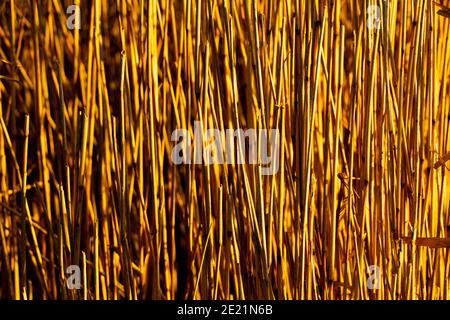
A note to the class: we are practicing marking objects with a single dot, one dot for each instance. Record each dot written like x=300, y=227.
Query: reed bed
x=86, y=177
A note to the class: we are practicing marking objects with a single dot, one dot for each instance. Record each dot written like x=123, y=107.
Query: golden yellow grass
x=86, y=177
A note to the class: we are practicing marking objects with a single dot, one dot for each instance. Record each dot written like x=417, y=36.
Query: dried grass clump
x=86, y=176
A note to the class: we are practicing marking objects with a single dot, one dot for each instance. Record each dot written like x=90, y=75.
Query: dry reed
x=86, y=176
